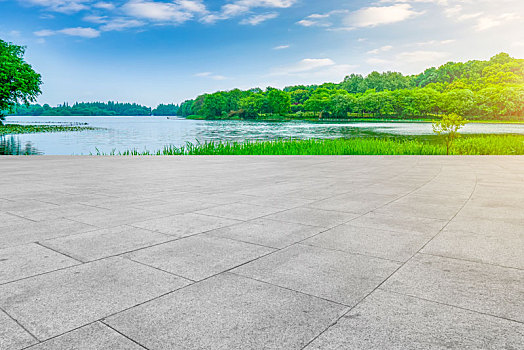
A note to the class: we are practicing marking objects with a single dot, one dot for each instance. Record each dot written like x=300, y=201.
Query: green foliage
x=19, y=83
x=448, y=128
x=166, y=110
x=86, y=109
x=491, y=89
x=473, y=145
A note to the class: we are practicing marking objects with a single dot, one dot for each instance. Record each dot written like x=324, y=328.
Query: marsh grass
x=470, y=145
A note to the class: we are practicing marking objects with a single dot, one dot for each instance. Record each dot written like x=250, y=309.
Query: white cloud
x=210, y=75
x=104, y=5
x=121, y=24
x=242, y=7
x=489, y=22
x=157, y=11
x=63, y=6
x=281, y=47
x=257, y=19
x=77, y=31
x=375, y=16
x=305, y=65
x=380, y=49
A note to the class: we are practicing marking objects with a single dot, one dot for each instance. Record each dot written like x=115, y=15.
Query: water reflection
x=11, y=145
x=153, y=133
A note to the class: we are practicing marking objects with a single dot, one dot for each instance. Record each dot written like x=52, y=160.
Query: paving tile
x=422, y=210
x=393, y=245
x=391, y=321
x=282, y=202
x=18, y=234
x=51, y=304
x=63, y=211
x=96, y=336
x=333, y=275
x=269, y=233
x=199, y=257
x=228, y=312
x=117, y=217
x=478, y=287
x=180, y=206
x=12, y=336
x=360, y=203
x=400, y=223
x=30, y=260
x=11, y=220
x=500, y=247
x=185, y=224
x=103, y=243
x=313, y=217
x=239, y=211
x=24, y=205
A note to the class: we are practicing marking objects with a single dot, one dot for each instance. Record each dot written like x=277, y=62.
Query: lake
x=153, y=133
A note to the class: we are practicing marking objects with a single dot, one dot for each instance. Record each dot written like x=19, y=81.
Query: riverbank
x=15, y=129
x=414, y=145
x=292, y=118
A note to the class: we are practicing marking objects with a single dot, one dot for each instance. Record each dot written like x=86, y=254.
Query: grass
x=470, y=145
x=12, y=129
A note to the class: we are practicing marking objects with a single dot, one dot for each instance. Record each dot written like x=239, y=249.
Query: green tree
x=279, y=102
x=448, y=128
x=19, y=83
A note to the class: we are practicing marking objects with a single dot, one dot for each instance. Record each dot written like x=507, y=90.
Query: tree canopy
x=19, y=83
x=86, y=109
x=488, y=89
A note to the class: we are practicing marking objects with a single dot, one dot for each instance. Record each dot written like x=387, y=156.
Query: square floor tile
x=334, y=275
x=228, y=312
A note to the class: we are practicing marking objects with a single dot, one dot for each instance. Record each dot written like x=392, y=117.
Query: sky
x=161, y=51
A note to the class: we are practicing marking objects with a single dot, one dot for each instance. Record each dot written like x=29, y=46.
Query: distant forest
x=491, y=89
x=97, y=109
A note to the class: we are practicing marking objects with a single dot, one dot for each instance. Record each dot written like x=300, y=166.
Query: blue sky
x=152, y=51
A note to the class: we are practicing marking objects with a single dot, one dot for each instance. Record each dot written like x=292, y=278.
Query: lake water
x=153, y=133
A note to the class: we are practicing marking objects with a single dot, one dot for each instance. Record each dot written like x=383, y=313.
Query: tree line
x=488, y=89
x=96, y=109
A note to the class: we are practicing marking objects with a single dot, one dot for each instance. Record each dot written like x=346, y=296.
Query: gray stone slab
x=30, y=260
x=185, y=224
x=117, y=217
x=228, y=312
x=199, y=257
x=282, y=202
x=180, y=207
x=333, y=275
x=270, y=233
x=392, y=321
x=360, y=203
x=7, y=219
x=19, y=234
x=484, y=288
x=103, y=243
x=499, y=247
x=24, y=205
x=51, y=304
x=239, y=211
x=393, y=245
x=313, y=217
x=96, y=336
x=63, y=211
x=420, y=210
x=12, y=336
x=400, y=223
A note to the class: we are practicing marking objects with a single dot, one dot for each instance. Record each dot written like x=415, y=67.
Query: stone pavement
x=261, y=253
